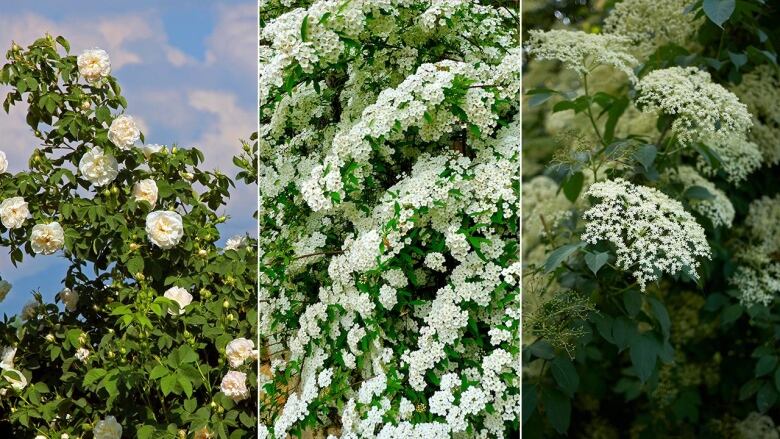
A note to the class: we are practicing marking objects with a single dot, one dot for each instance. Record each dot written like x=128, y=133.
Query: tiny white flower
x=146, y=190
x=98, y=167
x=123, y=132
x=234, y=385
x=13, y=212
x=239, y=350
x=165, y=228
x=94, y=65
x=180, y=296
x=70, y=298
x=108, y=428
x=47, y=238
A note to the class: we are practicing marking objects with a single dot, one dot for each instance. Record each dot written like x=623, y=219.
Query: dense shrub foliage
x=152, y=336
x=389, y=199
x=650, y=216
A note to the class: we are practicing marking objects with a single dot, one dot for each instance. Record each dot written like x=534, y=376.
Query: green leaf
x=93, y=375
x=167, y=384
x=565, y=375
x=766, y=397
x=64, y=43
x=765, y=365
x=596, y=260
x=558, y=409
x=777, y=379
x=559, y=255
x=186, y=385
x=730, y=314
x=643, y=353
x=718, y=11
x=159, y=371
x=698, y=193
x=662, y=315
x=573, y=186
x=632, y=300
x=305, y=29
x=645, y=155
x=529, y=401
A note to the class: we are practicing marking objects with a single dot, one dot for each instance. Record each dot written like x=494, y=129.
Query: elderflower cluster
x=737, y=158
x=702, y=109
x=763, y=222
x=582, y=52
x=760, y=91
x=652, y=233
x=651, y=24
x=717, y=209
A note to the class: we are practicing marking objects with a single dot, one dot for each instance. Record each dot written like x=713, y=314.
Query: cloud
x=234, y=40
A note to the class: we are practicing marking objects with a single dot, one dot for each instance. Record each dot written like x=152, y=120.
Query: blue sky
x=188, y=71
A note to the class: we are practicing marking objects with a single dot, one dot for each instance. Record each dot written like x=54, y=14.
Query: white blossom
x=240, y=350
x=94, y=65
x=652, y=233
x=146, y=190
x=124, y=132
x=98, y=167
x=47, y=238
x=3, y=163
x=179, y=295
x=164, y=228
x=234, y=385
x=70, y=299
x=108, y=428
x=13, y=212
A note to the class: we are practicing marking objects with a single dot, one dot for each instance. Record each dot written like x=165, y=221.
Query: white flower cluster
x=652, y=233
x=757, y=278
x=702, y=109
x=651, y=24
x=108, y=428
x=583, y=52
x=717, y=209
x=760, y=91
x=738, y=158
x=234, y=382
x=763, y=222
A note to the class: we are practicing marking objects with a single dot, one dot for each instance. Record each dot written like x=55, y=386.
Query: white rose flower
x=154, y=148
x=165, y=228
x=180, y=296
x=5, y=287
x=108, y=428
x=7, y=357
x=123, y=132
x=82, y=354
x=70, y=298
x=98, y=167
x=47, y=238
x=3, y=163
x=16, y=378
x=146, y=190
x=94, y=65
x=13, y=212
x=240, y=350
x=29, y=311
x=234, y=385
x=235, y=242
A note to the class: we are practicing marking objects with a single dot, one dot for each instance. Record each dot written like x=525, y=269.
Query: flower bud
x=226, y=304
x=202, y=253
x=230, y=317
x=50, y=338
x=133, y=246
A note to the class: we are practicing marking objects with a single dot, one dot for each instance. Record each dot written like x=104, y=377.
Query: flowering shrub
x=651, y=264
x=145, y=342
x=389, y=199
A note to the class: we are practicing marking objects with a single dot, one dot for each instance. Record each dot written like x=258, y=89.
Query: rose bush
x=650, y=212
x=389, y=198
x=149, y=303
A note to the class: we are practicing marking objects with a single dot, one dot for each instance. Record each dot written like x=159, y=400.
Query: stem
x=590, y=112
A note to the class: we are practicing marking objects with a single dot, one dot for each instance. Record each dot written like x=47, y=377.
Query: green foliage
x=156, y=371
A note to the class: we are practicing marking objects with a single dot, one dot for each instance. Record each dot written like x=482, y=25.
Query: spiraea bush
x=650, y=212
x=389, y=199
x=152, y=334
